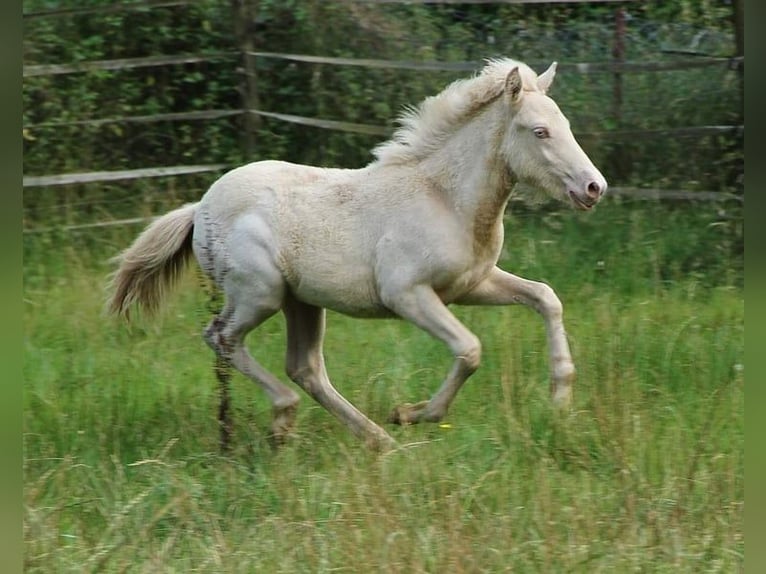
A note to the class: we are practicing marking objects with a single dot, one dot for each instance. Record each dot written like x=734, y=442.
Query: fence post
x=739, y=38
x=619, y=163
x=244, y=13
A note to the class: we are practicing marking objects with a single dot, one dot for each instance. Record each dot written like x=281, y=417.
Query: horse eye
x=542, y=133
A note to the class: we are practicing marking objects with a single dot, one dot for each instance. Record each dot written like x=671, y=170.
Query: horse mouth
x=579, y=203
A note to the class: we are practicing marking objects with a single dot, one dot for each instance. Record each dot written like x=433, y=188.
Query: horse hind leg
x=305, y=366
x=226, y=336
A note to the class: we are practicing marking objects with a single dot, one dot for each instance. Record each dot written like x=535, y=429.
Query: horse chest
x=488, y=243
x=487, y=228
x=464, y=282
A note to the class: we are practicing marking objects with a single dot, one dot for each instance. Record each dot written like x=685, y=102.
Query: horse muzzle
x=592, y=194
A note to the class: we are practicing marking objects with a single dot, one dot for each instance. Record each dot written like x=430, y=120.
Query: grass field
x=122, y=470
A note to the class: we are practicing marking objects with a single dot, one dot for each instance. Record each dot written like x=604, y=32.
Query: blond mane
x=424, y=128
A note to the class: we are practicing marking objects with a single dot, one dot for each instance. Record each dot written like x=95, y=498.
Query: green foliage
x=537, y=34
x=52, y=100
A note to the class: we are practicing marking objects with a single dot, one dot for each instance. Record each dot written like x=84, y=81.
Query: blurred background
x=131, y=108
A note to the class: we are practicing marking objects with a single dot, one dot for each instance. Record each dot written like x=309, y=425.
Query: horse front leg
x=423, y=307
x=503, y=288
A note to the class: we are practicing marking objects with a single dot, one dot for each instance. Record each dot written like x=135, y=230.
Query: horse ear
x=545, y=79
x=513, y=84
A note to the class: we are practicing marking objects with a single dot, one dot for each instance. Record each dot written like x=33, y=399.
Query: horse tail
x=152, y=263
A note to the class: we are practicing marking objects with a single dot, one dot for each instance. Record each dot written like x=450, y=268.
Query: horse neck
x=469, y=168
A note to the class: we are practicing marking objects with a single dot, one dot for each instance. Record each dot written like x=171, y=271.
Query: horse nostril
x=594, y=189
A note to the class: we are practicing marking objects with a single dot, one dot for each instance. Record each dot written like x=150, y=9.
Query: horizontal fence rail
x=469, y=66
x=101, y=176
x=692, y=131
x=128, y=6
x=623, y=193
x=94, y=225
x=34, y=70
x=366, y=129
x=201, y=115
x=122, y=64
x=154, y=118
x=110, y=9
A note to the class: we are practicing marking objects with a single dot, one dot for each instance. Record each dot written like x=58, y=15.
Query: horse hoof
x=381, y=443
x=282, y=425
x=562, y=397
x=407, y=414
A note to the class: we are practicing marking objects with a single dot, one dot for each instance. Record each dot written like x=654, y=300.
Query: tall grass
x=123, y=473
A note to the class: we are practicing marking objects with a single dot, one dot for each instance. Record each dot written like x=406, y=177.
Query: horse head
x=538, y=144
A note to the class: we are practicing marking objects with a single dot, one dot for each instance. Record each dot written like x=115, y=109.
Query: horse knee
x=471, y=354
x=302, y=375
x=293, y=371
x=214, y=337
x=549, y=303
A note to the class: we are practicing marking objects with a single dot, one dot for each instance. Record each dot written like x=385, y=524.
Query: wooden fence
x=617, y=67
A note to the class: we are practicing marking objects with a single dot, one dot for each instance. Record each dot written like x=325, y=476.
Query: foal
x=417, y=229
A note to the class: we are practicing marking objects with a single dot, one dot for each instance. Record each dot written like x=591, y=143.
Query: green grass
x=123, y=473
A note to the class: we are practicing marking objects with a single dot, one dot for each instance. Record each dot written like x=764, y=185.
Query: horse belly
x=331, y=269
x=348, y=291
